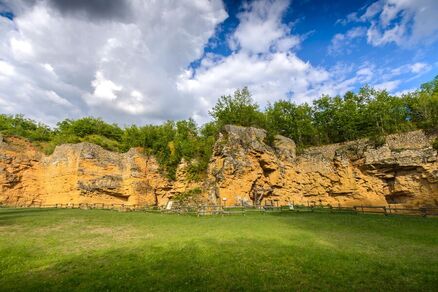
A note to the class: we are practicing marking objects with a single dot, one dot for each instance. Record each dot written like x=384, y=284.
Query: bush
x=377, y=140
x=188, y=197
x=102, y=141
x=435, y=144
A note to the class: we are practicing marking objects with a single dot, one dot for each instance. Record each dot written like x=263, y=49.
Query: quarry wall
x=242, y=170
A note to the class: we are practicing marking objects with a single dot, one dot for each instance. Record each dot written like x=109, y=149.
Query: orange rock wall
x=242, y=170
x=79, y=173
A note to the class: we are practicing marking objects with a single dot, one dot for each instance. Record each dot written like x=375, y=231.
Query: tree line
x=368, y=113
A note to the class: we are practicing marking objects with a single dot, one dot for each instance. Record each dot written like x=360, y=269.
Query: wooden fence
x=201, y=210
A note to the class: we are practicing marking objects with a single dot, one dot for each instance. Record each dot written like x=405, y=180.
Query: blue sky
x=319, y=22
x=144, y=61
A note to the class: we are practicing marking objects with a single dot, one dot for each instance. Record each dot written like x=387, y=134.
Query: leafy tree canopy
x=367, y=113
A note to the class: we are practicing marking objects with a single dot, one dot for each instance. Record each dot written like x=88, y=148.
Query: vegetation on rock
x=435, y=144
x=192, y=196
x=368, y=113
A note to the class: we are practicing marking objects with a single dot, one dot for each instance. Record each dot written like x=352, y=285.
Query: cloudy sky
x=147, y=61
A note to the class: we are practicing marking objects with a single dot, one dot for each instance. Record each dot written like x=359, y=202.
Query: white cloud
x=270, y=74
x=52, y=96
x=21, y=48
x=104, y=90
x=269, y=77
x=405, y=91
x=372, y=10
x=419, y=68
x=366, y=73
x=388, y=85
x=342, y=43
x=131, y=66
x=59, y=62
x=403, y=22
x=261, y=28
x=6, y=69
x=49, y=67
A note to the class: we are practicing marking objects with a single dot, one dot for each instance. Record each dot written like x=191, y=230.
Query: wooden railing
x=201, y=210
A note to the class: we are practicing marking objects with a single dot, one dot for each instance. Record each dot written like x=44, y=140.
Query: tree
x=90, y=126
x=238, y=109
x=18, y=125
x=423, y=105
x=387, y=114
x=292, y=121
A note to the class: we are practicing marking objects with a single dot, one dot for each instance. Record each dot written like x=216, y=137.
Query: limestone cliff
x=79, y=173
x=242, y=170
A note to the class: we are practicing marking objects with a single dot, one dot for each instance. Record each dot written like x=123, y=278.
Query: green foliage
x=90, y=126
x=188, y=197
x=19, y=126
x=102, y=141
x=238, y=109
x=171, y=142
x=377, y=140
x=368, y=113
x=423, y=105
x=435, y=144
x=293, y=121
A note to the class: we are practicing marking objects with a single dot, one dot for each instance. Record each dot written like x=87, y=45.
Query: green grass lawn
x=88, y=250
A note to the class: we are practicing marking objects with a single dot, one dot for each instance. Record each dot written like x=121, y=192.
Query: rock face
x=79, y=173
x=242, y=170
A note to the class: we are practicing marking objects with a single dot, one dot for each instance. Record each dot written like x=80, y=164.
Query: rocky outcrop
x=79, y=173
x=244, y=169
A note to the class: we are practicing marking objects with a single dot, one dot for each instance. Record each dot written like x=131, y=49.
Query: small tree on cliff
x=238, y=109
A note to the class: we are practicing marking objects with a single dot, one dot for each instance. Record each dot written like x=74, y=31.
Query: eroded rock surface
x=244, y=169
x=79, y=173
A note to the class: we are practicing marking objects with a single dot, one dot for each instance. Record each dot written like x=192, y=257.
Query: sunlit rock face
x=79, y=173
x=244, y=169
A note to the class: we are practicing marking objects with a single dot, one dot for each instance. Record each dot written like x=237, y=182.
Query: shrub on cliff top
x=18, y=125
x=368, y=113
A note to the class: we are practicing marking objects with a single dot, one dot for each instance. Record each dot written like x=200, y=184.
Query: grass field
x=88, y=250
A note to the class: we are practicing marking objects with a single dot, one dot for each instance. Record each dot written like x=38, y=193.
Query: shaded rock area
x=244, y=169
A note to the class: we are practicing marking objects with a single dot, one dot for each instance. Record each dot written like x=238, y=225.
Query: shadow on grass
x=237, y=265
x=8, y=216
